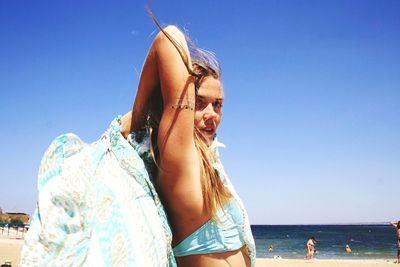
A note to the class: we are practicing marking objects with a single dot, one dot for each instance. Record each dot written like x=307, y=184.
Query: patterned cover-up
x=96, y=207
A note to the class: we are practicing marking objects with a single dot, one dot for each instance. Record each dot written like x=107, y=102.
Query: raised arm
x=178, y=182
x=179, y=177
x=177, y=87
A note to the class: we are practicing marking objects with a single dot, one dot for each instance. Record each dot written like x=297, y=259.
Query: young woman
x=97, y=203
x=208, y=221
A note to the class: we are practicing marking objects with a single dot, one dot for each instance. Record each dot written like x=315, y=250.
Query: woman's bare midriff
x=236, y=258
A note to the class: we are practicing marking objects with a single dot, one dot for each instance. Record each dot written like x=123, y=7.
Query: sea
x=367, y=241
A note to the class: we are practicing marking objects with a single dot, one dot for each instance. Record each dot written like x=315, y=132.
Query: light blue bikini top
x=228, y=231
x=220, y=234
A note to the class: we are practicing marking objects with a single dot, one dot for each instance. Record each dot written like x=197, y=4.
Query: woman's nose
x=209, y=111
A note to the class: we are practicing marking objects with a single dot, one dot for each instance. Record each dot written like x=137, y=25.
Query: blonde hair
x=204, y=64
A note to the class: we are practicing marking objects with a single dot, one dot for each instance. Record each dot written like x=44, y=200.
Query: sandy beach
x=10, y=249
x=323, y=263
x=11, y=242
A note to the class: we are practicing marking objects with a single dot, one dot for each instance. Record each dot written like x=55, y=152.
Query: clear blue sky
x=312, y=110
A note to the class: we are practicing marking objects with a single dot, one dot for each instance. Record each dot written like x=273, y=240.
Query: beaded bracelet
x=184, y=104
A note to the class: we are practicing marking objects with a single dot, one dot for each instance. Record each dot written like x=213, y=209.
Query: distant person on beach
x=271, y=248
x=310, y=246
x=106, y=203
x=347, y=249
x=397, y=227
x=6, y=264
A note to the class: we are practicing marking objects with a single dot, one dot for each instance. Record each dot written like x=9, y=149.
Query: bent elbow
x=173, y=32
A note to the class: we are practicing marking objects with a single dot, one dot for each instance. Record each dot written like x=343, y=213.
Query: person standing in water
x=310, y=248
x=348, y=249
x=397, y=226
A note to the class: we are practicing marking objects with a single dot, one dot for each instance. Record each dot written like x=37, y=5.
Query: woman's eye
x=217, y=105
x=200, y=104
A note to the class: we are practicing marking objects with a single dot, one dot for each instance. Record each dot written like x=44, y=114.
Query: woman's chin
x=207, y=138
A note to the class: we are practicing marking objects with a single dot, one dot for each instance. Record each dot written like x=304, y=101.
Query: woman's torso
x=227, y=239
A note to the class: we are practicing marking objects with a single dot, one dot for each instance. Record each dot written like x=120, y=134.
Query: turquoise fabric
x=220, y=234
x=97, y=207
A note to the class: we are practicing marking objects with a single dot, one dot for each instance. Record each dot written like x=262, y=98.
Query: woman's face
x=208, y=109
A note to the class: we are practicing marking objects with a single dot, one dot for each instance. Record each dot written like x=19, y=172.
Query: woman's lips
x=208, y=131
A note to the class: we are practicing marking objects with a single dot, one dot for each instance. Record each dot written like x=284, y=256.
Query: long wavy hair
x=204, y=64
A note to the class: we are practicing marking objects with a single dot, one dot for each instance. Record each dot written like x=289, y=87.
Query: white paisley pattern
x=96, y=207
